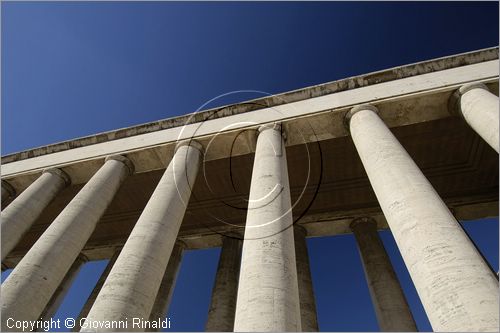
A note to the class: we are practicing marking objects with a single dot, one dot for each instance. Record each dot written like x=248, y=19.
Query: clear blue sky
x=75, y=69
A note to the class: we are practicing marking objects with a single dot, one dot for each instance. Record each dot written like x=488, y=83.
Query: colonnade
x=263, y=282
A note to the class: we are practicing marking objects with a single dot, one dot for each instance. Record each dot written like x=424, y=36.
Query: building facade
x=412, y=149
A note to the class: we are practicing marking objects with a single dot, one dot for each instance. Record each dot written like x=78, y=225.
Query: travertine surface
x=133, y=283
x=18, y=217
x=167, y=286
x=61, y=291
x=457, y=288
x=7, y=192
x=391, y=308
x=308, y=315
x=32, y=283
x=97, y=288
x=480, y=109
x=268, y=297
x=223, y=301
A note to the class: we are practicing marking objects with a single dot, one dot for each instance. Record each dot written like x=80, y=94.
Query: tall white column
x=391, y=308
x=309, y=319
x=61, y=291
x=132, y=285
x=457, y=288
x=268, y=296
x=32, y=283
x=97, y=288
x=480, y=109
x=20, y=215
x=167, y=286
x=223, y=301
x=7, y=192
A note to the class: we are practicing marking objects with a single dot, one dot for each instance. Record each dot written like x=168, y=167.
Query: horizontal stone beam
x=317, y=225
x=401, y=102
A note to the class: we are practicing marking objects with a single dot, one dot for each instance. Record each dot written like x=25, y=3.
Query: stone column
x=131, y=288
x=480, y=109
x=268, y=296
x=32, y=283
x=167, y=286
x=97, y=288
x=20, y=215
x=223, y=301
x=61, y=291
x=7, y=192
x=457, y=288
x=391, y=308
x=309, y=319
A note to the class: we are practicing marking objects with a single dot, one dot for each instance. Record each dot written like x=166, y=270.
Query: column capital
x=356, y=109
x=191, y=143
x=9, y=188
x=364, y=222
x=274, y=126
x=58, y=172
x=128, y=163
x=469, y=86
x=454, y=105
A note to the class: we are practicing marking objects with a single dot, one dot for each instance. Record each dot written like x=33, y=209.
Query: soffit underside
x=328, y=187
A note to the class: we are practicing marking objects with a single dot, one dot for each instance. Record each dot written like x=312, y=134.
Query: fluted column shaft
x=167, y=286
x=132, y=285
x=457, y=289
x=391, y=308
x=20, y=215
x=61, y=291
x=97, y=288
x=32, y=283
x=308, y=316
x=223, y=301
x=480, y=109
x=268, y=296
x=7, y=192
